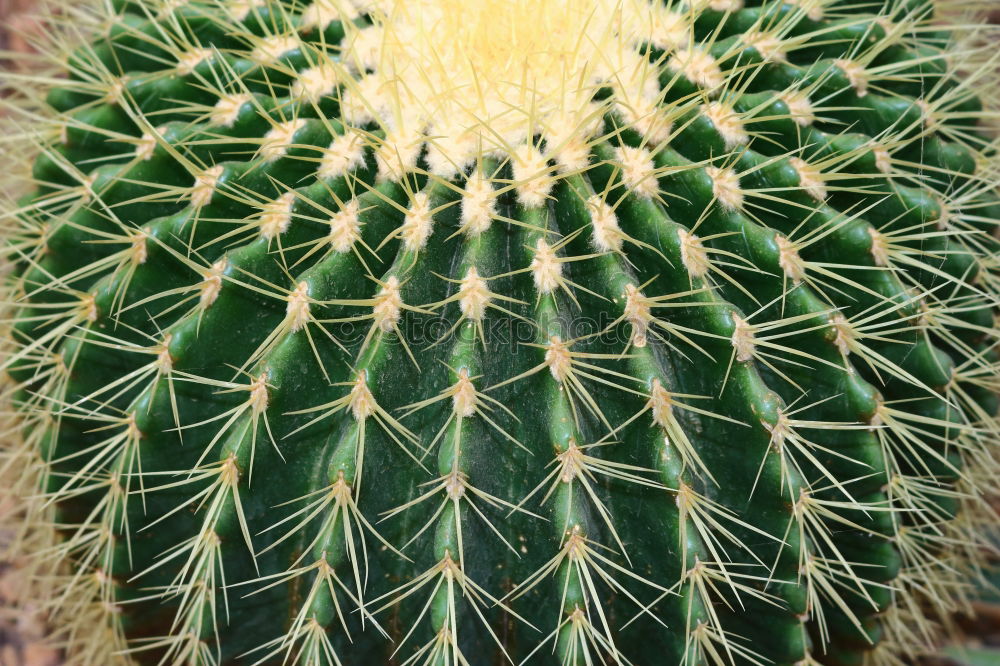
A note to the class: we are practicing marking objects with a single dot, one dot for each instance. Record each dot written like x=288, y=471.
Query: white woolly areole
x=928, y=114
x=671, y=30
x=856, y=75
x=417, y=224
x=204, y=185
x=607, y=235
x=800, y=108
x=323, y=12
x=810, y=178
x=87, y=308
x=116, y=91
x=345, y=227
x=843, y=334
x=276, y=216
x=240, y=9
x=638, y=170
x=271, y=48
x=362, y=402
x=211, y=283
x=558, y=359
x=879, y=248
x=532, y=175
x=768, y=45
x=279, y=139
x=258, y=403
x=86, y=185
x=145, y=146
x=297, y=306
x=455, y=484
x=743, y=339
x=227, y=109
x=164, y=362
x=473, y=295
x=363, y=48
x=167, y=7
x=717, y=5
x=647, y=117
x=698, y=66
x=883, y=159
x=945, y=221
x=387, y=308
x=483, y=75
x=726, y=187
x=398, y=153
x=780, y=431
x=314, y=83
x=573, y=466
x=638, y=313
x=346, y=153
x=546, y=269
x=727, y=123
x=573, y=155
x=449, y=154
x=464, y=401
x=362, y=100
x=479, y=204
x=789, y=260
x=814, y=9
x=139, y=249
x=187, y=61
x=693, y=254
x=661, y=404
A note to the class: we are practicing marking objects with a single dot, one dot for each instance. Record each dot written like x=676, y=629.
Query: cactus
x=502, y=331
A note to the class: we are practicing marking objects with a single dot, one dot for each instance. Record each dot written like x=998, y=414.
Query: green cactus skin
x=711, y=380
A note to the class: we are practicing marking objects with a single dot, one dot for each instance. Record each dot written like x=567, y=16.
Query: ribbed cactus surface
x=501, y=331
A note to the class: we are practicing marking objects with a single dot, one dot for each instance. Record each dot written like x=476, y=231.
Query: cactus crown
x=441, y=332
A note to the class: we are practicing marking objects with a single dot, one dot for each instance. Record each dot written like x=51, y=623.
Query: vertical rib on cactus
x=440, y=332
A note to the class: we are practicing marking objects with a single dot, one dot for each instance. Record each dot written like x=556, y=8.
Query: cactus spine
x=557, y=331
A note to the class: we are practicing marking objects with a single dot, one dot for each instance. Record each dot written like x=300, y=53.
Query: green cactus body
x=501, y=331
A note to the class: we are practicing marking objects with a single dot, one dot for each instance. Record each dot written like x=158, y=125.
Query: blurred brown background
x=16, y=21
x=21, y=632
